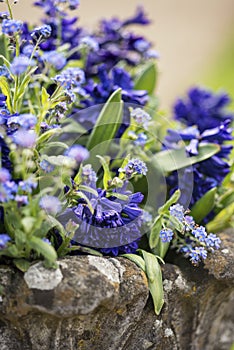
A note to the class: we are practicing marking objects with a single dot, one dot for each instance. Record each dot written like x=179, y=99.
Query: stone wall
x=93, y=303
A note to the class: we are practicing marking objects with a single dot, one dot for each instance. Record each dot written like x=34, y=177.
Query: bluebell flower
x=11, y=27
x=77, y=152
x=118, y=78
x=207, y=123
x=166, y=235
x=202, y=108
x=56, y=59
x=4, y=239
x=50, y=204
x=20, y=64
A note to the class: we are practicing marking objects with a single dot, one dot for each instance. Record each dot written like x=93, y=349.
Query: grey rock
x=94, y=303
x=39, y=277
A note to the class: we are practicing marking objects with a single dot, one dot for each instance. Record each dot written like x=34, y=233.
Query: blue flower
x=50, y=204
x=25, y=138
x=202, y=108
x=56, y=59
x=21, y=199
x=41, y=33
x=4, y=239
x=197, y=254
x=140, y=116
x=134, y=166
x=90, y=43
x=166, y=235
x=177, y=211
x=200, y=233
x=46, y=166
x=20, y=64
x=4, y=175
x=213, y=241
x=27, y=185
x=215, y=128
x=70, y=78
x=11, y=27
x=77, y=152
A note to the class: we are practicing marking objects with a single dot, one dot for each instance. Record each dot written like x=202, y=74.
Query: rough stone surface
x=102, y=304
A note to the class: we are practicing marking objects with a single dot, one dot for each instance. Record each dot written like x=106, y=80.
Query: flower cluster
x=207, y=122
x=190, y=239
x=82, y=167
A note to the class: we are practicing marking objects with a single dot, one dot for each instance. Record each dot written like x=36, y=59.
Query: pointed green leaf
x=6, y=90
x=22, y=264
x=172, y=200
x=146, y=80
x=154, y=233
x=43, y=248
x=154, y=274
x=44, y=97
x=107, y=174
x=222, y=220
x=171, y=160
x=138, y=260
x=204, y=205
x=107, y=124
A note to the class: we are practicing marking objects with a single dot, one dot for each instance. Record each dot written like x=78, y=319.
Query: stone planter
x=93, y=303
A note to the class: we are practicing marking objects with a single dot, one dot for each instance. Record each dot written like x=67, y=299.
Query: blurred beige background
x=187, y=33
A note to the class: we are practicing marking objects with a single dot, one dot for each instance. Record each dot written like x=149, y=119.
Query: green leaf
x=172, y=200
x=43, y=248
x=47, y=225
x=147, y=79
x=88, y=189
x=138, y=260
x=154, y=233
x=107, y=124
x=204, y=205
x=107, y=174
x=28, y=224
x=171, y=160
x=222, y=220
x=5, y=90
x=22, y=264
x=44, y=98
x=71, y=126
x=47, y=135
x=154, y=274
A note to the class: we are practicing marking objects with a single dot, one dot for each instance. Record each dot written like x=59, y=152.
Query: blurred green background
x=195, y=38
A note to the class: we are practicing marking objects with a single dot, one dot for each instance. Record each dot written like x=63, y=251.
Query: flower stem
x=9, y=9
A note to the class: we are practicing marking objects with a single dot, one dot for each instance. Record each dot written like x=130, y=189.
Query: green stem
x=9, y=9
x=15, y=93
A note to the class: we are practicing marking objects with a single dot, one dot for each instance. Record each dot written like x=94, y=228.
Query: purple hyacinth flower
x=11, y=27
